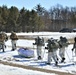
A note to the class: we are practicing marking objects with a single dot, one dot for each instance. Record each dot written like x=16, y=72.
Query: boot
x=57, y=59
x=62, y=60
x=56, y=63
x=12, y=49
x=39, y=57
x=3, y=50
x=48, y=63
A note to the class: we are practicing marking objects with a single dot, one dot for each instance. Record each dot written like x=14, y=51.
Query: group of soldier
x=52, y=46
x=4, y=38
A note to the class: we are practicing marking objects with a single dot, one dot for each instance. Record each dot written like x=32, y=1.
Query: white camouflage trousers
x=2, y=45
x=39, y=51
x=52, y=55
x=62, y=52
x=13, y=44
x=75, y=51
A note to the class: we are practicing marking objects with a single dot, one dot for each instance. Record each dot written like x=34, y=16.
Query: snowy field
x=9, y=70
x=13, y=57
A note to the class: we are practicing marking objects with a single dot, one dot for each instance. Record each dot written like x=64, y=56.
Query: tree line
x=37, y=19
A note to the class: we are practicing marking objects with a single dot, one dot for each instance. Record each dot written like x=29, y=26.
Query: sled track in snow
x=33, y=68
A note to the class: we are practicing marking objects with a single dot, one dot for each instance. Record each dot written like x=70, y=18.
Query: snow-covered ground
x=9, y=70
x=47, y=34
x=13, y=57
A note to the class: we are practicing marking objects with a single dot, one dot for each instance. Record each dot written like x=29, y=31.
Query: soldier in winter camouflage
x=63, y=44
x=52, y=47
x=3, y=39
x=39, y=43
x=13, y=38
x=74, y=46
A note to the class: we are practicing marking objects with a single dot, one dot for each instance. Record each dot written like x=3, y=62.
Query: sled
x=26, y=52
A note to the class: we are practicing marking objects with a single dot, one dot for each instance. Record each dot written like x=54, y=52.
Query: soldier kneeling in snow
x=63, y=42
x=13, y=38
x=52, y=47
x=39, y=42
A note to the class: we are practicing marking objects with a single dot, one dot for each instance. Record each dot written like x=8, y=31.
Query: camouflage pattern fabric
x=2, y=37
x=5, y=36
x=39, y=41
x=52, y=44
x=13, y=36
x=63, y=42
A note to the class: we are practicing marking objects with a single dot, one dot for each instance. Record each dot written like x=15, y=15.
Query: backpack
x=2, y=38
x=39, y=41
x=13, y=36
x=53, y=44
x=63, y=41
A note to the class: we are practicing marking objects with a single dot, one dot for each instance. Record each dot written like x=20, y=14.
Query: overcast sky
x=30, y=4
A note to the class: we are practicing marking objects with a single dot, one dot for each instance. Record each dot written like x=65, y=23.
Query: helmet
x=61, y=37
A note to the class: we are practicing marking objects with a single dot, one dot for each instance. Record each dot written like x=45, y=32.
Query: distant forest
x=37, y=19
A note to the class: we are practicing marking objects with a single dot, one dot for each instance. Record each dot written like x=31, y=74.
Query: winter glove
x=46, y=47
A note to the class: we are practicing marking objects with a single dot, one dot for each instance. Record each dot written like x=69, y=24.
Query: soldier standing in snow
x=39, y=43
x=3, y=38
x=52, y=47
x=63, y=44
x=74, y=46
x=13, y=38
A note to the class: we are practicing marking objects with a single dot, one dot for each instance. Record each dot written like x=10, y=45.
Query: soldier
x=13, y=38
x=39, y=43
x=52, y=47
x=63, y=44
x=3, y=38
x=74, y=46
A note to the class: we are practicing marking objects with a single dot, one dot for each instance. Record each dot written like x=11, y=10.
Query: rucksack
x=63, y=41
x=53, y=44
x=13, y=36
x=39, y=41
x=2, y=38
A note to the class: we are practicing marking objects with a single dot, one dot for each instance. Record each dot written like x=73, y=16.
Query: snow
x=13, y=56
x=9, y=70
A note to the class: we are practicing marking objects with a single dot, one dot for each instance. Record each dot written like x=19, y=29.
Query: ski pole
x=43, y=52
x=33, y=47
x=72, y=56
